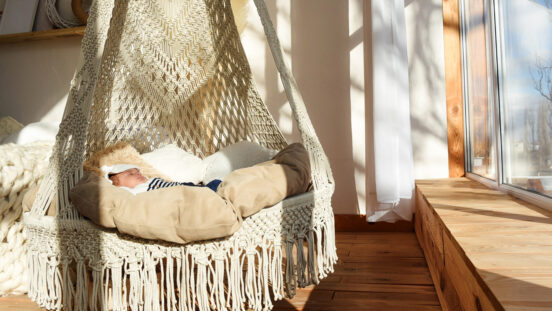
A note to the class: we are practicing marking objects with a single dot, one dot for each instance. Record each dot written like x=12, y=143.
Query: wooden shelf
x=485, y=249
x=42, y=35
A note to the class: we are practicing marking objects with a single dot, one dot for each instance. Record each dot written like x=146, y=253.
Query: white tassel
x=192, y=281
x=169, y=283
x=185, y=294
x=54, y=284
x=218, y=282
x=33, y=265
x=124, y=285
x=329, y=249
x=135, y=292
x=251, y=285
x=312, y=276
x=95, y=299
x=67, y=286
x=162, y=284
x=302, y=282
x=42, y=280
x=116, y=287
x=276, y=273
x=105, y=285
x=179, y=271
x=320, y=253
x=290, y=270
x=202, y=295
x=151, y=288
x=235, y=285
x=265, y=264
x=81, y=295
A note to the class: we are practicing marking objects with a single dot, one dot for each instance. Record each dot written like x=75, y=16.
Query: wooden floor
x=381, y=271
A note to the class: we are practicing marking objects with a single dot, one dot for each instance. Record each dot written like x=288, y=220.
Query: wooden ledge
x=486, y=250
x=42, y=35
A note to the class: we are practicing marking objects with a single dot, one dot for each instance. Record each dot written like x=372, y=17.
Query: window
x=507, y=70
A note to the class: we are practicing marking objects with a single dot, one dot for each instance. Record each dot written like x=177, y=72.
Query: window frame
x=494, y=55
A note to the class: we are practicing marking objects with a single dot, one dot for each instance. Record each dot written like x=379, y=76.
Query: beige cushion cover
x=254, y=188
x=183, y=214
x=178, y=214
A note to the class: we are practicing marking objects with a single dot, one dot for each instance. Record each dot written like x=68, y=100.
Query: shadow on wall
x=319, y=53
x=424, y=20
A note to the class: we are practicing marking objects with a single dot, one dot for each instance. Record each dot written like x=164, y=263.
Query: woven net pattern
x=156, y=89
x=154, y=72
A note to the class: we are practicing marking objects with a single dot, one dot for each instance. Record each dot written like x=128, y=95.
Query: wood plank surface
x=504, y=242
x=42, y=35
x=383, y=271
x=453, y=80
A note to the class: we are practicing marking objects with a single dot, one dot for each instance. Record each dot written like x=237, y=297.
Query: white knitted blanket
x=21, y=166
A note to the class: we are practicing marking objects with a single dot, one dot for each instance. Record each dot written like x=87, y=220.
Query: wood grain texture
x=453, y=78
x=42, y=35
x=383, y=271
x=358, y=223
x=497, y=249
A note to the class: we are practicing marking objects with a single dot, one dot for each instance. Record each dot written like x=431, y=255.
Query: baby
x=130, y=178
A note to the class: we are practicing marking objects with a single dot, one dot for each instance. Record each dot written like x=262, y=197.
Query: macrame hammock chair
x=155, y=72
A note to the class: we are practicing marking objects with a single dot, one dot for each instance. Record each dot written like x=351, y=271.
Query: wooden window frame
x=456, y=132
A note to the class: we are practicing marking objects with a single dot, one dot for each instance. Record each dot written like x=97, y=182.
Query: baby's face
x=129, y=178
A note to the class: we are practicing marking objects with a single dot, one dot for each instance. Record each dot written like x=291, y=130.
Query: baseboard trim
x=358, y=223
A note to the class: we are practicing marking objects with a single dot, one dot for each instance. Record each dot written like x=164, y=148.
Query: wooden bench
x=485, y=250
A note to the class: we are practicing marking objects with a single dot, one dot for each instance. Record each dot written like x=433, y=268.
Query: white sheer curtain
x=394, y=172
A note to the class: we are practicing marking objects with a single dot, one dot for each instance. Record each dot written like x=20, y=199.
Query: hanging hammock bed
x=158, y=72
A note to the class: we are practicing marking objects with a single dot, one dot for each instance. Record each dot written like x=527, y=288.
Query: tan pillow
x=177, y=214
x=254, y=188
x=96, y=198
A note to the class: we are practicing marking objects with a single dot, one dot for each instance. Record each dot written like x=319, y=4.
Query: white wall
x=325, y=43
x=35, y=77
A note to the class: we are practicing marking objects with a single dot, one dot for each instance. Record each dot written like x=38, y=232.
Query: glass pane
x=526, y=86
x=482, y=158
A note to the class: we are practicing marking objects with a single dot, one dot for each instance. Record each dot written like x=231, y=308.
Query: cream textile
x=155, y=72
x=21, y=167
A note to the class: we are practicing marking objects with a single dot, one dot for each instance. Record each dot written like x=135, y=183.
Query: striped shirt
x=158, y=183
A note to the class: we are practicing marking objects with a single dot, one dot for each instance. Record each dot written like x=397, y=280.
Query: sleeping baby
x=130, y=178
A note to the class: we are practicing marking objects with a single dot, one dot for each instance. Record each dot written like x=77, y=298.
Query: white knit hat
x=116, y=169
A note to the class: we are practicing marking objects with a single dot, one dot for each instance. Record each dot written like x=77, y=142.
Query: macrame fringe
x=179, y=279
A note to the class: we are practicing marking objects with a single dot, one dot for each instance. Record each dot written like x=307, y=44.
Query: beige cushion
x=177, y=214
x=184, y=214
x=96, y=198
x=254, y=188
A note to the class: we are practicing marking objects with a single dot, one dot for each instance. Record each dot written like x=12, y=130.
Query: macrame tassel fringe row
x=183, y=279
